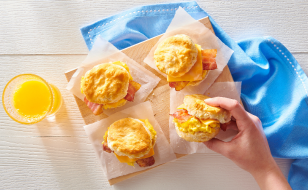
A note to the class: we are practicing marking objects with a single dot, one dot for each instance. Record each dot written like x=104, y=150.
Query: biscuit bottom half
x=194, y=130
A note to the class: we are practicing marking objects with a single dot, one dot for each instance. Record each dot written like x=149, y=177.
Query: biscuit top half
x=129, y=137
x=176, y=55
x=196, y=106
x=105, y=83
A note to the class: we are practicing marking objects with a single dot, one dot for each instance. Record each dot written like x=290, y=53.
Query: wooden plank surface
x=43, y=37
x=138, y=53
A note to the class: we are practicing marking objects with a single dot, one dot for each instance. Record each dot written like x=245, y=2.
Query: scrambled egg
x=194, y=125
x=149, y=126
x=105, y=136
x=82, y=81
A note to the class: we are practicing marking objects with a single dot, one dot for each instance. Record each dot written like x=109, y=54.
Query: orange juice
x=28, y=99
x=32, y=99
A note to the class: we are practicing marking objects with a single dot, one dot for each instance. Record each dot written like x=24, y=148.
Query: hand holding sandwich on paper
x=249, y=148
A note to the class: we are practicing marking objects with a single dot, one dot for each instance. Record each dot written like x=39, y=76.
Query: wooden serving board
x=160, y=98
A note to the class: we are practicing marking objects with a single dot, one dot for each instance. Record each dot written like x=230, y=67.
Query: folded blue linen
x=274, y=87
x=298, y=174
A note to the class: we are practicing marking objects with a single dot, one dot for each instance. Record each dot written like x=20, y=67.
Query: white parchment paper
x=104, y=52
x=183, y=23
x=111, y=165
x=222, y=89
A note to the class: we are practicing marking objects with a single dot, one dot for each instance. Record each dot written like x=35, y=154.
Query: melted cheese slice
x=126, y=159
x=194, y=74
x=120, y=63
x=181, y=107
x=208, y=122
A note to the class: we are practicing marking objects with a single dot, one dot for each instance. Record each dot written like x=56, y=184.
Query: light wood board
x=138, y=52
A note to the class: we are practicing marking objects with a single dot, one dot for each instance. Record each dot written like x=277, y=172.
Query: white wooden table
x=44, y=38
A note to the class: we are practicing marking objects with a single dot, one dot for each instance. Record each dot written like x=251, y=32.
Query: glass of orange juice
x=28, y=99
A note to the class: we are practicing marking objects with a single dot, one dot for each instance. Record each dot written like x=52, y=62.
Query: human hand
x=249, y=148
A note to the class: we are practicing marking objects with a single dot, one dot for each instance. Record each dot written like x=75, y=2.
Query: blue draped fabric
x=274, y=87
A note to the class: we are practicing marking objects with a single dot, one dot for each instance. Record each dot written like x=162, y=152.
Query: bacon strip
x=146, y=162
x=224, y=126
x=172, y=84
x=182, y=115
x=106, y=148
x=96, y=108
x=131, y=91
x=209, y=59
x=178, y=85
x=105, y=145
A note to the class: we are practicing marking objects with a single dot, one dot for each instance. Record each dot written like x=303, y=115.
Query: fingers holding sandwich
x=219, y=146
x=230, y=125
x=236, y=109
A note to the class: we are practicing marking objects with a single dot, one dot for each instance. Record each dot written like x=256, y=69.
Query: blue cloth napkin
x=274, y=87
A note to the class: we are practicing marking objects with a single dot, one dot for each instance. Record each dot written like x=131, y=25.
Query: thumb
x=217, y=146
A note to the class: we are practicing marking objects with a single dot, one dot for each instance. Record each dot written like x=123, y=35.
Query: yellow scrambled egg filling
x=149, y=126
x=130, y=163
x=105, y=136
x=194, y=125
x=82, y=80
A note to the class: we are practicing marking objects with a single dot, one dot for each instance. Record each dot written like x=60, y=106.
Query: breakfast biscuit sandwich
x=195, y=121
x=184, y=62
x=131, y=140
x=108, y=85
